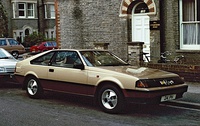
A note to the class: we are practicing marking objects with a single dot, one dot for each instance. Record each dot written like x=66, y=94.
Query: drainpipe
x=41, y=16
x=162, y=43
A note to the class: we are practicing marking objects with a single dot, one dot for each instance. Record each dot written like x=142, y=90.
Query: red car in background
x=44, y=46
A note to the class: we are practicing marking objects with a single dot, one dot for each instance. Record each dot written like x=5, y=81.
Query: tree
x=3, y=21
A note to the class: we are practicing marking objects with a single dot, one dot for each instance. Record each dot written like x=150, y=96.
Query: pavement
x=191, y=98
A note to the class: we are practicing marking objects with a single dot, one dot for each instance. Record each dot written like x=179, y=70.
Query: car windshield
x=5, y=55
x=101, y=58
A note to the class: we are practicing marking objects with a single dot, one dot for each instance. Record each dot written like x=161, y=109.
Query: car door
x=64, y=77
x=14, y=45
x=40, y=67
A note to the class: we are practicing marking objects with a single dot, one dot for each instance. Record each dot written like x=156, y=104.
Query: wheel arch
x=103, y=83
x=26, y=77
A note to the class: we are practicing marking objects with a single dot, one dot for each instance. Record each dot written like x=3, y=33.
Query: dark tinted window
x=66, y=59
x=43, y=60
x=3, y=42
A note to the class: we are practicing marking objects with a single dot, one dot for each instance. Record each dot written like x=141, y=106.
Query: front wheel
x=110, y=99
x=33, y=88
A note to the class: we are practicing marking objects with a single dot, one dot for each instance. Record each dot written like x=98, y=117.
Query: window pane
x=21, y=13
x=189, y=34
x=30, y=10
x=21, y=6
x=188, y=10
x=21, y=9
x=198, y=10
x=198, y=33
x=52, y=9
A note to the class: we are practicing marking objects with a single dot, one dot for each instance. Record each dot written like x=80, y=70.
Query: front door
x=141, y=31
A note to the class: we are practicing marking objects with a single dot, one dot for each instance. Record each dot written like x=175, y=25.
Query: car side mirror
x=79, y=66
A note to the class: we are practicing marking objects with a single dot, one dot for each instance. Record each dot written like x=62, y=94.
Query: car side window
x=54, y=44
x=43, y=60
x=3, y=43
x=66, y=59
x=13, y=42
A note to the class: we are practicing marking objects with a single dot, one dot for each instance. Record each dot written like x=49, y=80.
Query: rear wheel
x=33, y=88
x=111, y=99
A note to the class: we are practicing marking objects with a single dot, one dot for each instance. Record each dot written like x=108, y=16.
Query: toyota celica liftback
x=100, y=74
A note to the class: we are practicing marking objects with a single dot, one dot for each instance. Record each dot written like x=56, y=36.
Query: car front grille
x=10, y=70
x=162, y=82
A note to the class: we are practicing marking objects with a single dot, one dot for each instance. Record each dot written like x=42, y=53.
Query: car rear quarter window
x=3, y=42
x=43, y=60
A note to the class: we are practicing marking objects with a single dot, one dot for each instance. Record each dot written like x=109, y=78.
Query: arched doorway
x=138, y=11
x=140, y=26
x=27, y=32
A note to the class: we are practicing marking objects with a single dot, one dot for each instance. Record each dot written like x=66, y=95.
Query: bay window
x=23, y=10
x=50, y=11
x=30, y=10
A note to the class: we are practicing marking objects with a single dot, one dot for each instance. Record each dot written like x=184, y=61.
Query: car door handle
x=51, y=70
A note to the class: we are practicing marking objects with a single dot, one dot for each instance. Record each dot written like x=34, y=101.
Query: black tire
x=33, y=88
x=15, y=54
x=110, y=99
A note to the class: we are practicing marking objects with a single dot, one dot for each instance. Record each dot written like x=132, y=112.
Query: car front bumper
x=153, y=97
x=7, y=77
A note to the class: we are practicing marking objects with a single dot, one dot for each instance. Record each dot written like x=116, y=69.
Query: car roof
x=6, y=38
x=64, y=49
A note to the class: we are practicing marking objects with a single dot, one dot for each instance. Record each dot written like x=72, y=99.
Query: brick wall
x=188, y=72
x=85, y=22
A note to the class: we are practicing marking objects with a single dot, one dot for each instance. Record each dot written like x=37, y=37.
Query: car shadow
x=77, y=100
x=9, y=85
x=131, y=109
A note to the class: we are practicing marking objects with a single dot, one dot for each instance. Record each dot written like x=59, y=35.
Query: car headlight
x=141, y=84
x=2, y=69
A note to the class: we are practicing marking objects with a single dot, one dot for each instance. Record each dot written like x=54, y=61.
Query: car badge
x=166, y=82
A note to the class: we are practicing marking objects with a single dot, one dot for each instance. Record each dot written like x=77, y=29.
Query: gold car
x=12, y=46
x=99, y=74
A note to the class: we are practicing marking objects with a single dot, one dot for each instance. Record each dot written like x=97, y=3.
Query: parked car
x=7, y=66
x=44, y=46
x=12, y=46
x=97, y=73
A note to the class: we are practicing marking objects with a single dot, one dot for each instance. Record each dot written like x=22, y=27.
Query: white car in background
x=7, y=66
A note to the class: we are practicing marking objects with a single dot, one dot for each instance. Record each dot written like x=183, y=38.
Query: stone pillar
x=135, y=53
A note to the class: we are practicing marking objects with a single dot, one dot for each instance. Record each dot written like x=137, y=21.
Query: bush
x=34, y=38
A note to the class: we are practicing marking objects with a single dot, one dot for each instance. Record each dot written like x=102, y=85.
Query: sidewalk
x=191, y=98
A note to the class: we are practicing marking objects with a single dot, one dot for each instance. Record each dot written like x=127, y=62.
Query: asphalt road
x=56, y=109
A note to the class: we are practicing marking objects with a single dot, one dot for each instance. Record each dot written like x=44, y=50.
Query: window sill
x=187, y=51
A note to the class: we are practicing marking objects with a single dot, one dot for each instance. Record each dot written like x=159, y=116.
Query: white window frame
x=14, y=8
x=45, y=11
x=22, y=10
x=187, y=46
x=31, y=9
x=52, y=11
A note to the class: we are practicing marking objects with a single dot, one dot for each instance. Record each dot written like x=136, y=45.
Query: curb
x=183, y=104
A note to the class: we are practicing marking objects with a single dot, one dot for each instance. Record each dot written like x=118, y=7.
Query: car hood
x=141, y=72
x=8, y=62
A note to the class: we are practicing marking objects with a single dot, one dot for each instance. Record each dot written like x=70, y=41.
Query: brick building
x=163, y=25
x=27, y=16
x=84, y=23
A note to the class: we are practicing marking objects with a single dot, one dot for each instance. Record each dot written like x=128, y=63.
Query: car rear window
x=3, y=42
